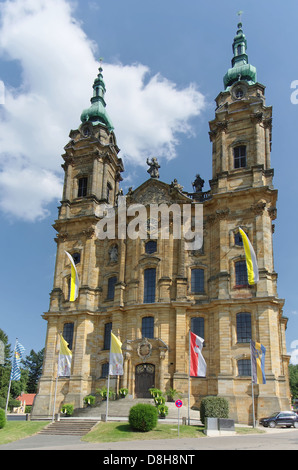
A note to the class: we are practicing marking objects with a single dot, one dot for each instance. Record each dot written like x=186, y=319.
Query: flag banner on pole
x=257, y=351
x=64, y=359
x=74, y=280
x=116, y=357
x=251, y=259
x=197, y=362
x=19, y=354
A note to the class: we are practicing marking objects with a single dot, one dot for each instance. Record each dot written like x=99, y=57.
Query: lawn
x=15, y=430
x=115, y=431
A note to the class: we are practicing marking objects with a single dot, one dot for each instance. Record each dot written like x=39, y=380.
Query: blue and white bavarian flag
x=19, y=354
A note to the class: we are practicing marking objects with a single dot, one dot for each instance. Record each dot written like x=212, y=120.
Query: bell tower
x=92, y=176
x=241, y=131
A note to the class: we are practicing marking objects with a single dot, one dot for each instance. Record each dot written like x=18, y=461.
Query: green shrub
x=2, y=418
x=143, y=417
x=67, y=409
x=2, y=403
x=89, y=400
x=214, y=407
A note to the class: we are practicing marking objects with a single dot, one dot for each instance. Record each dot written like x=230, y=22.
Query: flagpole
x=56, y=384
x=252, y=388
x=108, y=392
x=7, y=399
x=189, y=377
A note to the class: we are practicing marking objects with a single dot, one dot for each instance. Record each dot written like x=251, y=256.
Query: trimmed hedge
x=2, y=418
x=214, y=407
x=143, y=417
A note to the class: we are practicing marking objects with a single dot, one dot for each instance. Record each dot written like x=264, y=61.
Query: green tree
x=6, y=367
x=293, y=375
x=33, y=364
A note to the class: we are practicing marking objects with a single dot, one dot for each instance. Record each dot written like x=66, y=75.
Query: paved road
x=277, y=439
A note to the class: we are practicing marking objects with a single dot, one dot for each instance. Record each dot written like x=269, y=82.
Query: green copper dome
x=97, y=113
x=241, y=69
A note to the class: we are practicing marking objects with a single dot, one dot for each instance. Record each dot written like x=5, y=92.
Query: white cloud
x=58, y=69
x=294, y=352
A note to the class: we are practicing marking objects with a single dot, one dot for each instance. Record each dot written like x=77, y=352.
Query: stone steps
x=70, y=427
x=120, y=408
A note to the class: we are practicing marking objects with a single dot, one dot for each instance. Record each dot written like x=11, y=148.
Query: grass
x=111, y=431
x=115, y=432
x=15, y=430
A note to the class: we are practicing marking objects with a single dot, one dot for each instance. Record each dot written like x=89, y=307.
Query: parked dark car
x=281, y=418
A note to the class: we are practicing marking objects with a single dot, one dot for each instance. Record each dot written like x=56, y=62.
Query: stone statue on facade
x=154, y=166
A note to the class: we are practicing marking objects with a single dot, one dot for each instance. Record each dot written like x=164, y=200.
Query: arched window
x=149, y=285
x=197, y=281
x=243, y=326
x=67, y=334
x=148, y=327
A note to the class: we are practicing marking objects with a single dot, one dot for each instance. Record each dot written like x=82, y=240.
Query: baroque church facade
x=151, y=291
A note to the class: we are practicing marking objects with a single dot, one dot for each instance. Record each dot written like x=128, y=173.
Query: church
x=150, y=290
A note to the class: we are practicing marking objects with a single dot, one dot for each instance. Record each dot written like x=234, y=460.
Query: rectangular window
x=243, y=321
x=240, y=156
x=197, y=326
x=244, y=367
x=107, y=336
x=82, y=191
x=68, y=334
x=111, y=287
x=148, y=327
x=105, y=370
x=149, y=285
x=241, y=274
x=197, y=281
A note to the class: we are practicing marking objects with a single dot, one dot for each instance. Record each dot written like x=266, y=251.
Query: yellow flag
x=251, y=259
x=64, y=360
x=116, y=357
x=74, y=280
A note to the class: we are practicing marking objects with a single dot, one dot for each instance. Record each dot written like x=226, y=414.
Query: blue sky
x=164, y=61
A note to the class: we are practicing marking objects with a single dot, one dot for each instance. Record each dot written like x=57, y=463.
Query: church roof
x=241, y=69
x=97, y=113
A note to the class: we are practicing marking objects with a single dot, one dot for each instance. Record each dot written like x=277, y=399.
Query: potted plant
x=67, y=409
x=155, y=392
x=163, y=410
x=123, y=392
x=159, y=400
x=89, y=400
x=171, y=394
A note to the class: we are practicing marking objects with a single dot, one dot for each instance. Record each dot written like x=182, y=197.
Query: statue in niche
x=113, y=254
x=154, y=166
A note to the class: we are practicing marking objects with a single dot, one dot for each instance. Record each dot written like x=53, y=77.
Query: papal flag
x=116, y=357
x=64, y=359
x=74, y=280
x=251, y=259
x=257, y=351
x=197, y=362
x=19, y=354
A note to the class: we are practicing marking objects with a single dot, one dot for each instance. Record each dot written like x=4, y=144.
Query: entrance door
x=145, y=379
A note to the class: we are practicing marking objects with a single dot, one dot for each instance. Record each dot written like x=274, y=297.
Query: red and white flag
x=197, y=362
